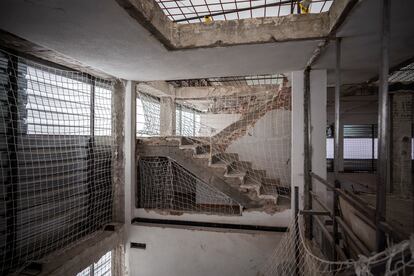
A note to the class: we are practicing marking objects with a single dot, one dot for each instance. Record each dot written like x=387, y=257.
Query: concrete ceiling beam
x=164, y=89
x=156, y=88
x=234, y=32
x=194, y=93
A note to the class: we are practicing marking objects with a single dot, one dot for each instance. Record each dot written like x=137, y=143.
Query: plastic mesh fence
x=247, y=134
x=55, y=133
x=166, y=186
x=295, y=255
x=100, y=268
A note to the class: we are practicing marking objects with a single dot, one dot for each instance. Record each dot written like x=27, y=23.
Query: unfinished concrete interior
x=207, y=137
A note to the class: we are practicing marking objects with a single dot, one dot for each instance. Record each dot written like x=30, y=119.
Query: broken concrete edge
x=235, y=32
x=86, y=252
x=118, y=155
x=21, y=47
x=164, y=89
x=338, y=13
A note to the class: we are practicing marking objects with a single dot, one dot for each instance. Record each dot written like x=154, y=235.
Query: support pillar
x=339, y=137
x=402, y=123
x=298, y=137
x=167, y=116
x=383, y=124
x=130, y=167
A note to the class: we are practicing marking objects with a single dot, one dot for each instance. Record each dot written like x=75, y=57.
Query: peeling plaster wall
x=185, y=252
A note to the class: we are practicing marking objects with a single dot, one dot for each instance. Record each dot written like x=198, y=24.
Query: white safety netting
x=166, y=186
x=55, y=153
x=295, y=255
x=248, y=133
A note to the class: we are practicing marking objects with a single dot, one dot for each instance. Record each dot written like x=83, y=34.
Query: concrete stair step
x=239, y=175
x=202, y=149
x=224, y=157
x=256, y=175
x=186, y=141
x=202, y=156
x=218, y=164
x=184, y=147
x=239, y=167
x=272, y=187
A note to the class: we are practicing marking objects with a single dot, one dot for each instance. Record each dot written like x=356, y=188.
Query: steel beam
x=383, y=122
x=307, y=153
x=338, y=129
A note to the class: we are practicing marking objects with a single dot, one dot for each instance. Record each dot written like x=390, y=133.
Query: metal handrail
x=363, y=210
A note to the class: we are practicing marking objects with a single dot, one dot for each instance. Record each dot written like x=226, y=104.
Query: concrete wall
x=354, y=109
x=318, y=91
x=216, y=121
x=267, y=145
x=185, y=252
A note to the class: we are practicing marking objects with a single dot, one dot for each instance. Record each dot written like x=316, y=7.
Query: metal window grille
x=360, y=148
x=55, y=153
x=194, y=11
x=187, y=121
x=101, y=268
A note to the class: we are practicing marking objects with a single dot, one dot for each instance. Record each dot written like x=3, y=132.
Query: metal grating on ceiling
x=234, y=81
x=195, y=11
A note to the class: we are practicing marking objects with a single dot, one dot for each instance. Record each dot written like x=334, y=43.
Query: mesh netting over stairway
x=248, y=134
x=294, y=255
x=55, y=146
x=167, y=186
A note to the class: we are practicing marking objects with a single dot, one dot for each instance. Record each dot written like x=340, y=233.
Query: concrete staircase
x=282, y=100
x=250, y=187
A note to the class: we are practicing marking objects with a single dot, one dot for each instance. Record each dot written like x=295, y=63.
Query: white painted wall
x=267, y=145
x=185, y=252
x=318, y=91
x=297, y=152
x=216, y=121
x=130, y=168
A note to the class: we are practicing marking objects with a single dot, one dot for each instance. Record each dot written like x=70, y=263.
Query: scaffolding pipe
x=338, y=130
x=383, y=121
x=307, y=154
x=337, y=146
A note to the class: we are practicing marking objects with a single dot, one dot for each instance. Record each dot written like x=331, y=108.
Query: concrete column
x=118, y=166
x=297, y=152
x=130, y=168
x=318, y=101
x=318, y=91
x=167, y=116
x=402, y=122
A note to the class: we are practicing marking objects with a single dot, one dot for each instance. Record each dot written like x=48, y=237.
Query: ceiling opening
x=195, y=11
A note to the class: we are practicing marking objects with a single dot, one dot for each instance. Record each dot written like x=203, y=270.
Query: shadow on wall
x=267, y=145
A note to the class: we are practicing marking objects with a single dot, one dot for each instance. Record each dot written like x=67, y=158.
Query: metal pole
x=337, y=145
x=307, y=154
x=11, y=183
x=334, y=221
x=91, y=156
x=383, y=124
x=337, y=108
x=373, y=148
x=297, y=252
